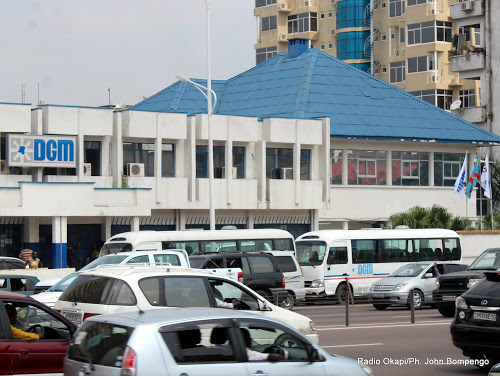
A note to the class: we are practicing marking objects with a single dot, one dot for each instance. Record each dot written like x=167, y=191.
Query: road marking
x=418, y=315
x=359, y=344
x=382, y=323
x=371, y=326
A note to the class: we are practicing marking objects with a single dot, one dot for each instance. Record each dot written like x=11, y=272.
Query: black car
x=476, y=326
x=452, y=285
x=260, y=271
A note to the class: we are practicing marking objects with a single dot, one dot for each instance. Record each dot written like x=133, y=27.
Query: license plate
x=75, y=317
x=485, y=316
x=378, y=295
x=449, y=298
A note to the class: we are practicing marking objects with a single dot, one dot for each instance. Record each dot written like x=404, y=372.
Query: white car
x=167, y=257
x=198, y=342
x=137, y=288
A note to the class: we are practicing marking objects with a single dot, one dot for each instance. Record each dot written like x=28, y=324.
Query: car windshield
x=487, y=261
x=310, y=253
x=109, y=249
x=106, y=260
x=63, y=283
x=409, y=270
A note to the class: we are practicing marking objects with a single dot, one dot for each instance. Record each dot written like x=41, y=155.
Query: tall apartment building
x=404, y=42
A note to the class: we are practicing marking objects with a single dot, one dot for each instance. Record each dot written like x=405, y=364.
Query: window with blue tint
x=262, y=54
x=92, y=154
x=202, y=161
x=446, y=168
x=168, y=160
x=303, y=22
x=268, y=23
x=365, y=67
x=305, y=164
x=410, y=168
x=239, y=161
x=351, y=45
x=396, y=8
x=263, y=3
x=350, y=13
x=279, y=163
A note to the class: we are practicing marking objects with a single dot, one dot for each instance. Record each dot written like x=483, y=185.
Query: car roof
x=139, y=252
x=10, y=258
x=233, y=254
x=173, y=315
x=25, y=276
x=136, y=272
x=9, y=295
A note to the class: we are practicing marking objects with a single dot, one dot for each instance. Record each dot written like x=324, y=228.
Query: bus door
x=337, y=267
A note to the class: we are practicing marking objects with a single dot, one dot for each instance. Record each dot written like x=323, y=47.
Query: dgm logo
x=365, y=269
x=40, y=151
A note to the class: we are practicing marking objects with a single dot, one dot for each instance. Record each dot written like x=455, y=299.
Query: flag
x=474, y=177
x=485, y=177
x=461, y=178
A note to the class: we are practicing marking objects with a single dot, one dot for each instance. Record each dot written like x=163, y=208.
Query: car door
x=5, y=342
x=198, y=349
x=43, y=355
x=427, y=284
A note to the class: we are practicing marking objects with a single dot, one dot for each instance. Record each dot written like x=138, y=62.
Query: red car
x=40, y=356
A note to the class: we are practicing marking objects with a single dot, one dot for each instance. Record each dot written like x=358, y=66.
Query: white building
x=315, y=144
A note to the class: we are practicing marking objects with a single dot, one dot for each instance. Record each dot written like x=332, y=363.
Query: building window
x=402, y=35
x=421, y=64
x=300, y=23
x=239, y=161
x=268, y=23
x=330, y=14
x=468, y=98
x=440, y=98
x=351, y=45
x=428, y=32
x=396, y=8
x=322, y=16
x=322, y=46
x=410, y=168
x=384, y=69
x=397, y=71
x=305, y=164
x=446, y=168
x=262, y=54
x=167, y=160
x=279, y=163
x=336, y=163
x=330, y=45
x=92, y=155
x=384, y=37
x=202, y=161
x=135, y=152
x=418, y=2
x=263, y=3
x=366, y=167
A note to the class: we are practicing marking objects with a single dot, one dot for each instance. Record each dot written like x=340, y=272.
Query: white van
x=294, y=279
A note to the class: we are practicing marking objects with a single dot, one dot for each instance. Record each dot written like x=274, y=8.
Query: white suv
x=138, y=288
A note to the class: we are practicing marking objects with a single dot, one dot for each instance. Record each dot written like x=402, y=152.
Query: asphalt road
x=388, y=341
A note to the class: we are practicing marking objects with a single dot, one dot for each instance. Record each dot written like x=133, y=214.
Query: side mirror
x=313, y=354
x=428, y=275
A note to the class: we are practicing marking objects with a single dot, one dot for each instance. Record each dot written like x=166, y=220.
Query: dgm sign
x=41, y=151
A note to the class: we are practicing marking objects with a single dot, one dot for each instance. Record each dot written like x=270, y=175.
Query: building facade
x=302, y=141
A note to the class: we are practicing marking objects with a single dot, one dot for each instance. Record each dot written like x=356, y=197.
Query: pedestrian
x=70, y=262
x=34, y=262
x=93, y=256
x=26, y=253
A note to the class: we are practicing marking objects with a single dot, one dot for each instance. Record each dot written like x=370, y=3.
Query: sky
x=69, y=52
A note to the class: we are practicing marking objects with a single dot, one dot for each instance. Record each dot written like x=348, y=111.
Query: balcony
x=466, y=9
x=283, y=193
x=470, y=64
x=471, y=114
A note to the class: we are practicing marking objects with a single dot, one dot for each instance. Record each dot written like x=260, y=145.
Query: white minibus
x=328, y=257
x=196, y=242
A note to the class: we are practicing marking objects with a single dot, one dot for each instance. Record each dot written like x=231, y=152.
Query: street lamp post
x=210, y=110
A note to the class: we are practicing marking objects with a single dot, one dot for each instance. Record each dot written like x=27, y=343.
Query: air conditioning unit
x=282, y=6
x=468, y=5
x=234, y=174
x=435, y=79
x=87, y=169
x=4, y=168
x=456, y=81
x=282, y=37
x=308, y=3
x=285, y=173
x=135, y=169
x=395, y=52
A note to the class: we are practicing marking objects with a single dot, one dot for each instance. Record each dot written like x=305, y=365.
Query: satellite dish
x=456, y=105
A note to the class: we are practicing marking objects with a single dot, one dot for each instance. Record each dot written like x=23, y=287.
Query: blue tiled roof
x=316, y=85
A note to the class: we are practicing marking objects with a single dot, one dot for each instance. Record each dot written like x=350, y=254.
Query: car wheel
x=288, y=302
x=341, y=293
x=418, y=299
x=381, y=307
x=446, y=310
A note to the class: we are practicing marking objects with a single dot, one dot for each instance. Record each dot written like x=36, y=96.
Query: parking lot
x=388, y=341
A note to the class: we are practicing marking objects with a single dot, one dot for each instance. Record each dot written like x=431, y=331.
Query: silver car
x=417, y=276
x=198, y=342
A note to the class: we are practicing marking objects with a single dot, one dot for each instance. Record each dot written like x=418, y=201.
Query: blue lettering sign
x=39, y=151
x=66, y=151
x=51, y=150
x=365, y=269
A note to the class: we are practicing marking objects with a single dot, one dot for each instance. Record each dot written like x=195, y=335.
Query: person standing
x=26, y=253
x=34, y=262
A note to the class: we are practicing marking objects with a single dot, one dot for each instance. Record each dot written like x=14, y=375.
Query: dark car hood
x=464, y=274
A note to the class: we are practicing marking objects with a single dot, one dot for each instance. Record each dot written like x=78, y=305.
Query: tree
x=435, y=217
x=495, y=184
